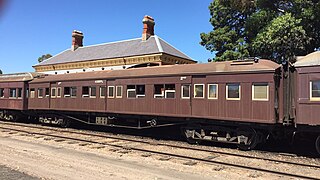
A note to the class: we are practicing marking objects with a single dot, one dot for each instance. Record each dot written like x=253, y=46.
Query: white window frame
x=40, y=97
x=117, y=91
x=113, y=91
x=217, y=89
x=237, y=99
x=101, y=87
x=32, y=93
x=129, y=90
x=252, y=93
x=194, y=91
x=53, y=88
x=165, y=94
x=90, y=90
x=59, y=96
x=182, y=97
x=310, y=92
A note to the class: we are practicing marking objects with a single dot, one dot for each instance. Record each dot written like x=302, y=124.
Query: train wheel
x=247, y=139
x=318, y=144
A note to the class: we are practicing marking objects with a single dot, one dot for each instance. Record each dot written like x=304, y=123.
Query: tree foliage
x=44, y=57
x=1, y=71
x=273, y=29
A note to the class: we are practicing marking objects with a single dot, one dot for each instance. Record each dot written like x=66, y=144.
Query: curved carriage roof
x=18, y=77
x=312, y=59
x=184, y=69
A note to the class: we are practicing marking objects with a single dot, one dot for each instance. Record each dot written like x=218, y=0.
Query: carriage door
x=198, y=96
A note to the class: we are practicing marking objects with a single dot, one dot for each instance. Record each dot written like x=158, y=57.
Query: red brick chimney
x=148, y=27
x=77, y=37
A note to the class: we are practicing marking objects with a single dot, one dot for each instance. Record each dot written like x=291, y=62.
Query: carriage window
x=47, y=92
x=233, y=91
x=170, y=91
x=19, y=92
x=131, y=91
x=32, y=93
x=198, y=91
x=73, y=91
x=102, y=91
x=140, y=91
x=119, y=92
x=260, y=91
x=27, y=93
x=85, y=91
x=53, y=92
x=58, y=92
x=158, y=91
x=212, y=91
x=110, y=91
x=40, y=93
x=93, y=92
x=1, y=93
x=315, y=90
x=12, y=92
x=67, y=91
x=185, y=91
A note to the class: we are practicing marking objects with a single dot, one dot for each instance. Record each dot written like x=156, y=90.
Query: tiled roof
x=127, y=48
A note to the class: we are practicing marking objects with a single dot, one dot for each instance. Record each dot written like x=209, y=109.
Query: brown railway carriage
x=232, y=91
x=13, y=94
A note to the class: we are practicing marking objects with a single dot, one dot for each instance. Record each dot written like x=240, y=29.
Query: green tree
x=273, y=29
x=44, y=57
x=0, y=71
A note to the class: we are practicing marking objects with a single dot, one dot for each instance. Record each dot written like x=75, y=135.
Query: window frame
x=217, y=90
x=113, y=91
x=159, y=96
x=133, y=90
x=32, y=93
x=227, y=94
x=15, y=94
x=252, y=91
x=90, y=91
x=85, y=95
x=121, y=87
x=170, y=91
x=194, y=91
x=100, y=94
x=40, y=97
x=182, y=85
x=51, y=92
x=311, y=98
x=59, y=90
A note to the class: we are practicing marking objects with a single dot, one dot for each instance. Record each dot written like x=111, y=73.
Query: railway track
x=191, y=154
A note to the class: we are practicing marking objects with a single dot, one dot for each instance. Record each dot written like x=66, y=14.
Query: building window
x=53, y=92
x=169, y=91
x=131, y=91
x=315, y=90
x=140, y=91
x=102, y=91
x=1, y=93
x=198, y=91
x=260, y=91
x=85, y=91
x=58, y=92
x=32, y=93
x=110, y=91
x=19, y=93
x=158, y=91
x=47, y=93
x=93, y=92
x=233, y=91
x=119, y=92
x=185, y=91
x=212, y=91
x=40, y=93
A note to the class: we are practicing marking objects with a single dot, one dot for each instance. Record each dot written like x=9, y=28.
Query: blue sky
x=29, y=29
